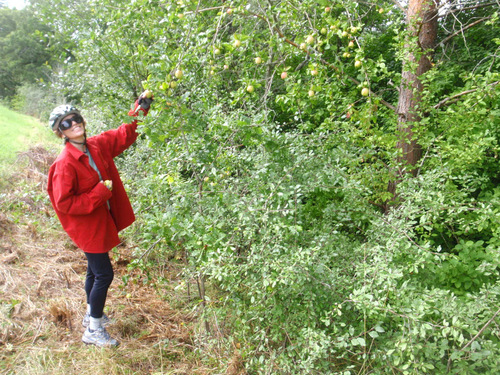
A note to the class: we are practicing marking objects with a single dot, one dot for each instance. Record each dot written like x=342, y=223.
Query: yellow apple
x=357, y=64
x=258, y=60
x=365, y=91
x=178, y=74
x=236, y=43
x=250, y=89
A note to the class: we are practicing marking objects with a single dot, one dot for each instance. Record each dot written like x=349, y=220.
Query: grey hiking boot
x=105, y=320
x=99, y=337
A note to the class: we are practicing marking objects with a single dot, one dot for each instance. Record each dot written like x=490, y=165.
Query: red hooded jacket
x=78, y=197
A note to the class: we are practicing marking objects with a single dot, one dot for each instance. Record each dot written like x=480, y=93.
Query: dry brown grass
x=42, y=299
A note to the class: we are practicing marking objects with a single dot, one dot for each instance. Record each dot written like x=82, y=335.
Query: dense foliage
x=264, y=166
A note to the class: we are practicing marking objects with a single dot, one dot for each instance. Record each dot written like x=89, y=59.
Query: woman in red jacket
x=88, y=196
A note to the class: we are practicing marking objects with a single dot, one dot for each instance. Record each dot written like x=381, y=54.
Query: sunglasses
x=68, y=123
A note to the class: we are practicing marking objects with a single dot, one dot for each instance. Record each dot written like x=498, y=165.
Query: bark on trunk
x=422, y=24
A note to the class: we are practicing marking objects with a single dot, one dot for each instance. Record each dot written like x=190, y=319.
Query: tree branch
x=452, y=98
x=463, y=29
x=458, y=10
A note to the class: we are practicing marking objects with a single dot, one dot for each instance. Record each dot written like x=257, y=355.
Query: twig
x=150, y=248
x=476, y=336
x=481, y=330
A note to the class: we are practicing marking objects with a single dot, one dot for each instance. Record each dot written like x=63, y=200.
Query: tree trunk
x=421, y=16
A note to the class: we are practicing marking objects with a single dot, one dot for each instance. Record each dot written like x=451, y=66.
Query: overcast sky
x=18, y=4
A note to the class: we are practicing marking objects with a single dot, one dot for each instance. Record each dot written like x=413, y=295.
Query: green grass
x=18, y=133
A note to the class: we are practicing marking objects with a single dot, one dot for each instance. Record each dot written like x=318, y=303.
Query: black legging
x=99, y=277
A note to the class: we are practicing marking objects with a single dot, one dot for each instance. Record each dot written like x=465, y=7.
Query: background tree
x=23, y=46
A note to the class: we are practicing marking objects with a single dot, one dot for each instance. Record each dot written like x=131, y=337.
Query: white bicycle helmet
x=59, y=113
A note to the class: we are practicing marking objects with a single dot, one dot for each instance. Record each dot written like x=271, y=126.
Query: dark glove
x=145, y=99
x=142, y=103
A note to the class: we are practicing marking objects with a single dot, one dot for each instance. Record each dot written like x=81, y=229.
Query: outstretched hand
x=145, y=99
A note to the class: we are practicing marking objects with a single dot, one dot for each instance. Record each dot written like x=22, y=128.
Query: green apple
x=357, y=64
x=173, y=84
x=250, y=88
x=365, y=91
x=178, y=74
x=311, y=93
x=236, y=43
x=310, y=39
